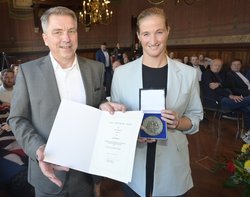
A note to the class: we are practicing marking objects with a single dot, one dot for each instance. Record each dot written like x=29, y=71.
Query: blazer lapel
x=86, y=77
x=174, y=81
x=48, y=75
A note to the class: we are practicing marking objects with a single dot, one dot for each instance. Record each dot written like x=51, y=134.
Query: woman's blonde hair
x=151, y=12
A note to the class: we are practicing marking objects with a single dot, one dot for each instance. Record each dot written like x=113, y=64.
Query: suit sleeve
x=20, y=116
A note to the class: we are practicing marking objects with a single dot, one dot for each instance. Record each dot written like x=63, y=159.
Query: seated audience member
x=236, y=80
x=125, y=58
x=13, y=161
x=137, y=51
x=215, y=93
x=6, y=89
x=200, y=68
x=186, y=61
x=15, y=68
x=248, y=73
x=171, y=55
x=205, y=61
x=116, y=64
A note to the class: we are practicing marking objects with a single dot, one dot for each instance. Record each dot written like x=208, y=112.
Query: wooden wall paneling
x=205, y=27
x=226, y=56
x=213, y=54
x=87, y=54
x=241, y=55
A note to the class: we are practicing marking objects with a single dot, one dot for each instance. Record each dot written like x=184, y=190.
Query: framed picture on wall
x=22, y=4
x=20, y=8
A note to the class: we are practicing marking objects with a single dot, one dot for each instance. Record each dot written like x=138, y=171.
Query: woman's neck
x=155, y=62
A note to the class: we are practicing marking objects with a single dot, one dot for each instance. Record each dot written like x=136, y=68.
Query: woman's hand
x=171, y=118
x=146, y=140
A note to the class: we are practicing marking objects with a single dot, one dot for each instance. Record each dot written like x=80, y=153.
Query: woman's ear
x=168, y=29
x=138, y=36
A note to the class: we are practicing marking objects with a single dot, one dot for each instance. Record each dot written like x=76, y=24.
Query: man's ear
x=45, y=38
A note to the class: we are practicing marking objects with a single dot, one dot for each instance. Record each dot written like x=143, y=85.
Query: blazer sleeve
x=194, y=109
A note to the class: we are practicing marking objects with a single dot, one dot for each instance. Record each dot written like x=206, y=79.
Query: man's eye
x=72, y=31
x=57, y=33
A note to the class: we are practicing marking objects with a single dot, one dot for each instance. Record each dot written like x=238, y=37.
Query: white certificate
x=93, y=141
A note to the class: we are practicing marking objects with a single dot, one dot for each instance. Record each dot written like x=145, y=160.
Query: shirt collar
x=57, y=66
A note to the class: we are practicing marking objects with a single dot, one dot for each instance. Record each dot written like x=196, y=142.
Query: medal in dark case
x=154, y=126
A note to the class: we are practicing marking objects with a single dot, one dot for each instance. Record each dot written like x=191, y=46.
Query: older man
x=41, y=84
x=214, y=89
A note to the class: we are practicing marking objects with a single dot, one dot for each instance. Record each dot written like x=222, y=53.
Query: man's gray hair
x=59, y=10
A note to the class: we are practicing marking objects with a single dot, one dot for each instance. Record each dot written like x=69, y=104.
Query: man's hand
x=236, y=99
x=5, y=127
x=214, y=85
x=112, y=107
x=97, y=190
x=48, y=169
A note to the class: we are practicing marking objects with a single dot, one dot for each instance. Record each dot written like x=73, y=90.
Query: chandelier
x=95, y=12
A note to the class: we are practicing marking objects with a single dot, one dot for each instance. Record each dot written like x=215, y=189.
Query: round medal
x=153, y=125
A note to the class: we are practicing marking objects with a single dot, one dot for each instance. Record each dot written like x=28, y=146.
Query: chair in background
x=219, y=113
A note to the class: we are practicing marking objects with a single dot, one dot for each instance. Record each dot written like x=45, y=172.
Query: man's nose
x=66, y=36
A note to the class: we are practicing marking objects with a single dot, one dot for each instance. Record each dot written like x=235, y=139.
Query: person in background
x=15, y=68
x=8, y=82
x=200, y=68
x=41, y=85
x=137, y=52
x=204, y=61
x=171, y=55
x=247, y=73
x=186, y=60
x=217, y=94
x=236, y=81
x=13, y=160
x=161, y=167
x=102, y=55
x=116, y=64
x=117, y=52
x=125, y=58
